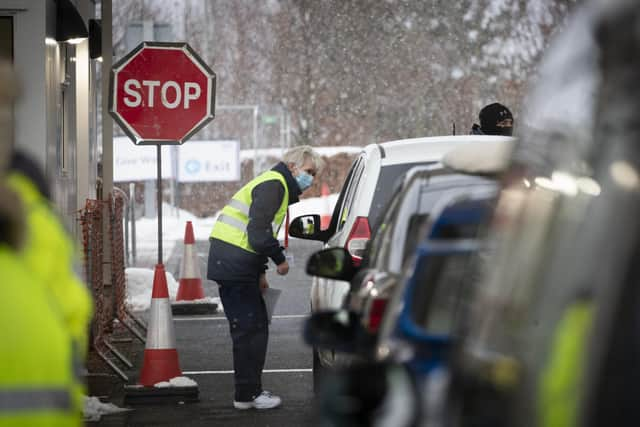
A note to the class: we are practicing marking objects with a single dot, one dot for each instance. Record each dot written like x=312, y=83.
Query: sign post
x=161, y=94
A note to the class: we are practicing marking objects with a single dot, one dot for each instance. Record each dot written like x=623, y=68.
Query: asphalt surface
x=205, y=354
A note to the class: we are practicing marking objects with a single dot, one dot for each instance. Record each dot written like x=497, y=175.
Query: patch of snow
x=176, y=382
x=93, y=409
x=140, y=286
x=162, y=384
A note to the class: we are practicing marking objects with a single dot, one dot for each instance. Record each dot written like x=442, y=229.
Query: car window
x=381, y=235
x=439, y=285
x=350, y=192
x=415, y=230
x=335, y=216
x=445, y=285
x=384, y=189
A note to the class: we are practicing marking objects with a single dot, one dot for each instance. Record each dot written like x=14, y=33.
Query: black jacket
x=229, y=262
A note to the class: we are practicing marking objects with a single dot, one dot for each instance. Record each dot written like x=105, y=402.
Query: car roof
x=414, y=150
x=482, y=157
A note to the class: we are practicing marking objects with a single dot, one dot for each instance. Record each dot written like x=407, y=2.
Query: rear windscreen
x=384, y=190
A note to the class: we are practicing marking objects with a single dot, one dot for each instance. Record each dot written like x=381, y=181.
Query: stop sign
x=162, y=93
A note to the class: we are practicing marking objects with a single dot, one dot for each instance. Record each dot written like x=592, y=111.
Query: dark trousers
x=247, y=315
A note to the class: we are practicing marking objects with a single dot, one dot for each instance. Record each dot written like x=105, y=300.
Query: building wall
x=53, y=117
x=30, y=63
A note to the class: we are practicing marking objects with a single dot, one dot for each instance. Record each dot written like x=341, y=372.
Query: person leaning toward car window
x=495, y=119
x=244, y=237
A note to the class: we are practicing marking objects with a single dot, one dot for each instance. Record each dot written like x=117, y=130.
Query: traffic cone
x=160, y=363
x=325, y=217
x=190, y=281
x=160, y=354
x=190, y=297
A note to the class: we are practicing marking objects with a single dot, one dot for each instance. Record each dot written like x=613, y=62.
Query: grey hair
x=298, y=155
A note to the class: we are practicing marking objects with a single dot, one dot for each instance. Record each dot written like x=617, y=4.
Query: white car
x=360, y=205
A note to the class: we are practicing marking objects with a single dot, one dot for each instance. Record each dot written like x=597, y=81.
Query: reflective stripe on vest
x=34, y=400
x=231, y=225
x=240, y=206
x=233, y=222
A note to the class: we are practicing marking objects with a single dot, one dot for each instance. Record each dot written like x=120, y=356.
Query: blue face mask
x=304, y=180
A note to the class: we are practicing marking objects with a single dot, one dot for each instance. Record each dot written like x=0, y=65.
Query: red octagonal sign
x=162, y=93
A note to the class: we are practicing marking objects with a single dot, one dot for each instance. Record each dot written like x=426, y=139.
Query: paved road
x=204, y=348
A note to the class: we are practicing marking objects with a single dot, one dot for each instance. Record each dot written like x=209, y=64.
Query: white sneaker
x=265, y=400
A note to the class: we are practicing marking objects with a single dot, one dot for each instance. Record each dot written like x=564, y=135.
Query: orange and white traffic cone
x=160, y=354
x=190, y=281
x=190, y=298
x=325, y=217
x=160, y=363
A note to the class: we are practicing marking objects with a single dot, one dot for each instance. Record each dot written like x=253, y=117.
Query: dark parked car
x=417, y=333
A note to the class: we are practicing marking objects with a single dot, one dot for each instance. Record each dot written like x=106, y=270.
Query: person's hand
x=262, y=282
x=283, y=268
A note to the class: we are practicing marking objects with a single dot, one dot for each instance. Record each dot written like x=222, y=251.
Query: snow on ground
x=174, y=222
x=140, y=285
x=140, y=280
x=177, y=382
x=94, y=409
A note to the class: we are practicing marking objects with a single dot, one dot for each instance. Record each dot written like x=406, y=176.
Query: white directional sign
x=197, y=161
x=138, y=163
x=201, y=161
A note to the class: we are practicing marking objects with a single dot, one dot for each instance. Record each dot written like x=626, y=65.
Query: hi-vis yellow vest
x=231, y=226
x=49, y=253
x=37, y=376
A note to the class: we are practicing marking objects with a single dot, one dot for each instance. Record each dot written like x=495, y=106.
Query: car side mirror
x=332, y=263
x=332, y=329
x=306, y=227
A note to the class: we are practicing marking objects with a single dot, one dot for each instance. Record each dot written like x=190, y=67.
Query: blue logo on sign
x=192, y=166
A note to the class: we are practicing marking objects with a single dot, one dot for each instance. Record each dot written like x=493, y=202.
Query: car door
x=323, y=294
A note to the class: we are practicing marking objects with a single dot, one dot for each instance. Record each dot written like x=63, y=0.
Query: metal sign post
x=159, y=198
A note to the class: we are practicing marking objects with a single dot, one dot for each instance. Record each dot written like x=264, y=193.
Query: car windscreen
x=384, y=189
